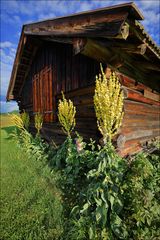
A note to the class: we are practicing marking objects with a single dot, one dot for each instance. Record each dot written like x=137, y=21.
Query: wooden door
x=42, y=94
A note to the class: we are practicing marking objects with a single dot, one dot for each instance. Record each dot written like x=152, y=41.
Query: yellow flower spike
x=25, y=118
x=38, y=122
x=17, y=120
x=108, y=103
x=66, y=115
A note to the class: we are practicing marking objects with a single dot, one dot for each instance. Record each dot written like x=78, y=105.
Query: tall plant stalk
x=108, y=104
x=38, y=119
x=66, y=115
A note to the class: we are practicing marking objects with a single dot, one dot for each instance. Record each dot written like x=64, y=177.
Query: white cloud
x=14, y=6
x=149, y=4
x=13, y=50
x=29, y=7
x=11, y=4
x=46, y=16
x=44, y=7
x=8, y=106
x=7, y=56
x=6, y=44
x=85, y=6
x=16, y=19
x=7, y=52
x=18, y=34
x=5, y=77
x=11, y=19
x=151, y=15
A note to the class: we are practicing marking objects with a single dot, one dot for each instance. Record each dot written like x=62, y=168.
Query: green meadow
x=30, y=207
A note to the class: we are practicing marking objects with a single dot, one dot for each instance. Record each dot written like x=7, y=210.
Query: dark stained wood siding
x=55, y=69
x=73, y=72
x=42, y=93
x=27, y=96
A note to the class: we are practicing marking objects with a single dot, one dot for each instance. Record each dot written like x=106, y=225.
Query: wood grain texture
x=151, y=95
x=103, y=24
x=138, y=96
x=55, y=68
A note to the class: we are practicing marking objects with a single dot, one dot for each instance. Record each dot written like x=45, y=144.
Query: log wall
x=75, y=75
x=141, y=123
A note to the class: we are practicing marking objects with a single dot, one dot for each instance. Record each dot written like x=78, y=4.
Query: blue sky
x=15, y=13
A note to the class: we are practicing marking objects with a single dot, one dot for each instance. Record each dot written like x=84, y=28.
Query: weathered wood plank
x=151, y=95
x=140, y=107
x=109, y=25
x=78, y=92
x=50, y=94
x=141, y=117
x=137, y=96
x=134, y=146
x=149, y=65
x=127, y=47
x=140, y=141
x=130, y=150
x=139, y=122
x=141, y=133
x=132, y=84
x=141, y=130
x=93, y=50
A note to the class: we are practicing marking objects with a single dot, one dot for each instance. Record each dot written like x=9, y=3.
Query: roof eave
x=130, y=7
x=15, y=65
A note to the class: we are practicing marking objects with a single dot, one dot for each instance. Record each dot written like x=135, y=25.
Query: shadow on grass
x=9, y=130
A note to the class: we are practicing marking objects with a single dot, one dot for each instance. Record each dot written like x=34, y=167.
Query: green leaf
x=74, y=211
x=85, y=207
x=117, y=207
x=98, y=201
x=98, y=214
x=91, y=233
x=102, y=196
x=149, y=221
x=118, y=227
x=111, y=199
x=101, y=214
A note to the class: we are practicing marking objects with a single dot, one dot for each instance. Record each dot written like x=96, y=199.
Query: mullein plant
x=18, y=122
x=25, y=119
x=38, y=122
x=108, y=104
x=66, y=115
x=21, y=134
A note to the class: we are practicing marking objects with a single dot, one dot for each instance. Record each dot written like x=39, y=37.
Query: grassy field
x=30, y=207
x=5, y=120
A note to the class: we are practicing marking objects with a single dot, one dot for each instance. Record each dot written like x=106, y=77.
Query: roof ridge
x=107, y=8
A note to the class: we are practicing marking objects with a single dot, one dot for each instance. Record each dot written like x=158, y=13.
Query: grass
x=30, y=207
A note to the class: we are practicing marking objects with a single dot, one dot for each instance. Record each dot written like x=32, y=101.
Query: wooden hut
x=64, y=54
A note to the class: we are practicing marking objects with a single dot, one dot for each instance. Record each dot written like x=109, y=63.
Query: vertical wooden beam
x=78, y=45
